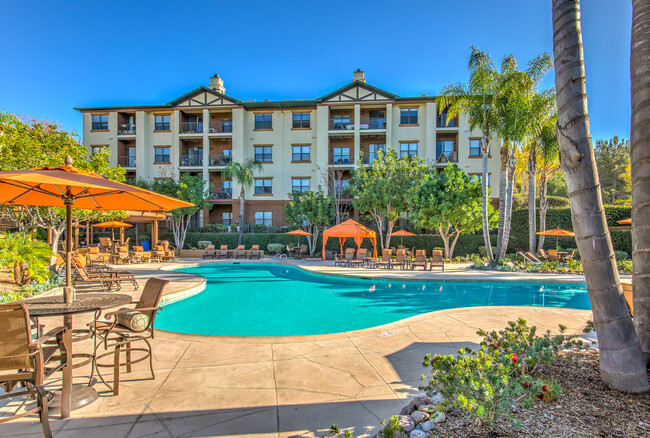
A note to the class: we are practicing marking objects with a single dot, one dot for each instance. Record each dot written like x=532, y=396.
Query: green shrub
x=275, y=248
x=203, y=244
x=624, y=266
x=28, y=259
x=483, y=251
x=217, y=228
x=504, y=372
x=30, y=290
x=621, y=255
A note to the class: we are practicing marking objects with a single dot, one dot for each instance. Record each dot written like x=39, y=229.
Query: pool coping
x=380, y=330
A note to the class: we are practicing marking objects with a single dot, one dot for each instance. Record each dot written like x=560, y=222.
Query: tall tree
x=310, y=211
x=381, y=190
x=548, y=166
x=476, y=100
x=450, y=202
x=613, y=160
x=640, y=162
x=242, y=173
x=622, y=364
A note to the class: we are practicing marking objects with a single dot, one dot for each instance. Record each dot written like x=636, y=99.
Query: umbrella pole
x=67, y=291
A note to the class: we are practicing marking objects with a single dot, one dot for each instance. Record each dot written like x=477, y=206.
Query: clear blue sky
x=58, y=55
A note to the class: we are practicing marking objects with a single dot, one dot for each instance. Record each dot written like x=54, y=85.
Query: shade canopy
x=298, y=233
x=557, y=232
x=112, y=224
x=401, y=233
x=353, y=229
x=625, y=221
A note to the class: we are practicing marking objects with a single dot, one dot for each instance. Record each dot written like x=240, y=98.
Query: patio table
x=56, y=306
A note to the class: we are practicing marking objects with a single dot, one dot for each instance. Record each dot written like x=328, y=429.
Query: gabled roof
x=198, y=90
x=362, y=85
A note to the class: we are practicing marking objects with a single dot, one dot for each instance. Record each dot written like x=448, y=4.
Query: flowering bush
x=504, y=371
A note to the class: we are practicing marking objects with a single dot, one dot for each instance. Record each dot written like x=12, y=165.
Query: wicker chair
x=115, y=336
x=23, y=361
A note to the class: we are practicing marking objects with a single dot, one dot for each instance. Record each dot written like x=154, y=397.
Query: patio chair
x=169, y=250
x=137, y=254
x=109, y=279
x=570, y=256
x=385, y=260
x=420, y=260
x=400, y=259
x=209, y=252
x=222, y=252
x=240, y=252
x=360, y=260
x=126, y=242
x=553, y=255
x=437, y=260
x=529, y=257
x=254, y=252
x=543, y=254
x=158, y=253
x=23, y=361
x=95, y=257
x=123, y=255
x=125, y=327
x=105, y=244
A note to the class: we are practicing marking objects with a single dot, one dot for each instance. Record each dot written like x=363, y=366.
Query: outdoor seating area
x=399, y=259
x=254, y=252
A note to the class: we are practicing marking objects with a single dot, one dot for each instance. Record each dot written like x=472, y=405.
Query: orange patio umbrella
x=557, y=232
x=625, y=221
x=401, y=234
x=353, y=229
x=298, y=233
x=112, y=225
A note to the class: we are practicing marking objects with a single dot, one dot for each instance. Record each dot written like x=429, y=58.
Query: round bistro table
x=71, y=398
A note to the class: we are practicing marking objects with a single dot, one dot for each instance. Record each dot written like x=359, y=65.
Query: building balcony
x=224, y=194
x=220, y=127
x=190, y=127
x=126, y=129
x=191, y=160
x=370, y=123
x=341, y=160
x=222, y=160
x=442, y=121
x=341, y=124
x=126, y=161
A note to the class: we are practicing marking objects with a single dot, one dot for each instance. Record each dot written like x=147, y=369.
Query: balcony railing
x=220, y=126
x=341, y=124
x=126, y=161
x=372, y=123
x=442, y=119
x=191, y=160
x=343, y=160
x=224, y=194
x=447, y=157
x=126, y=129
x=220, y=161
x=191, y=127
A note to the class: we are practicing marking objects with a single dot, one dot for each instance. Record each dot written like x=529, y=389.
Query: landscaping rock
x=427, y=426
x=427, y=400
x=427, y=408
x=406, y=422
x=418, y=434
x=440, y=417
x=408, y=409
x=437, y=398
x=418, y=401
x=421, y=395
x=419, y=416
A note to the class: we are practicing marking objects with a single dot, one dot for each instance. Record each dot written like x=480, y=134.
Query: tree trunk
x=445, y=240
x=485, y=198
x=543, y=206
x=640, y=163
x=503, y=195
x=622, y=363
x=532, y=209
x=240, y=237
x=505, y=237
x=452, y=246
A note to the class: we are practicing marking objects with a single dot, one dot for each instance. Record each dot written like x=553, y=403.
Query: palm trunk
x=543, y=206
x=240, y=237
x=508, y=214
x=532, y=208
x=622, y=363
x=503, y=197
x=640, y=163
x=485, y=199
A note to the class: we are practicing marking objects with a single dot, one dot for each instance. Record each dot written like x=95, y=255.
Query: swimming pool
x=278, y=300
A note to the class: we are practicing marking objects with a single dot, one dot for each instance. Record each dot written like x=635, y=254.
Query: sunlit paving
x=447, y=243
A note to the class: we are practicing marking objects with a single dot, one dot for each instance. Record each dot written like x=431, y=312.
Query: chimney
x=359, y=76
x=216, y=83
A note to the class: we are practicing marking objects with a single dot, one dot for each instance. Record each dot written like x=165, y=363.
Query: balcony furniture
x=23, y=361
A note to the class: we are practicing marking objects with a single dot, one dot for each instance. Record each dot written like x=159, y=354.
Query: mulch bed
x=585, y=408
x=7, y=283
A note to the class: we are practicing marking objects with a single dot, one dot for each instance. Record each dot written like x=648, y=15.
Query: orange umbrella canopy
x=112, y=224
x=625, y=221
x=557, y=232
x=401, y=233
x=298, y=233
x=353, y=229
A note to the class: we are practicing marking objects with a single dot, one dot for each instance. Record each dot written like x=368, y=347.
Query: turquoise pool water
x=275, y=300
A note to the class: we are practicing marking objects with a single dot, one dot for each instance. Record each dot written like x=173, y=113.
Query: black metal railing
x=220, y=126
x=372, y=123
x=126, y=161
x=224, y=194
x=191, y=127
x=345, y=124
x=220, y=161
x=191, y=160
x=341, y=159
x=126, y=129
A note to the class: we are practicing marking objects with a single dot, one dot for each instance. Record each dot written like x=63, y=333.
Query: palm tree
x=622, y=364
x=547, y=162
x=242, y=173
x=28, y=258
x=640, y=163
x=476, y=100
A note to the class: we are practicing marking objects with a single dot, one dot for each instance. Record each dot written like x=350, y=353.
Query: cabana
x=352, y=229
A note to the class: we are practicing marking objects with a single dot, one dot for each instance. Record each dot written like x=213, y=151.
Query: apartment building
x=302, y=144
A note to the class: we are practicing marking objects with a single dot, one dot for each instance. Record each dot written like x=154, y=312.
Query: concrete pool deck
x=287, y=386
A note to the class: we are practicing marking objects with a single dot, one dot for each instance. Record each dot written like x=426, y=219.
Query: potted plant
x=144, y=241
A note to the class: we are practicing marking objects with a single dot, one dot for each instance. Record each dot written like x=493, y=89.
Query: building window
x=162, y=123
x=100, y=122
x=443, y=121
x=226, y=218
x=264, y=218
x=409, y=116
x=446, y=150
x=341, y=121
x=377, y=119
x=300, y=184
x=96, y=149
x=263, y=153
x=226, y=125
x=226, y=187
x=130, y=156
x=373, y=149
x=340, y=186
x=300, y=153
x=475, y=148
x=301, y=120
x=263, y=186
x=263, y=121
x=195, y=220
x=408, y=150
x=162, y=155
x=341, y=156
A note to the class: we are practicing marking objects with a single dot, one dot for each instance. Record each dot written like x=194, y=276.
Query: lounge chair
x=108, y=279
x=553, y=255
x=158, y=253
x=529, y=257
x=27, y=361
x=123, y=255
x=209, y=252
x=385, y=260
x=254, y=253
x=137, y=254
x=420, y=259
x=400, y=259
x=222, y=252
x=568, y=257
x=240, y=252
x=360, y=260
x=127, y=327
x=437, y=260
x=543, y=254
x=105, y=244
